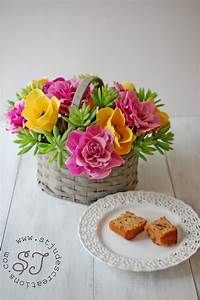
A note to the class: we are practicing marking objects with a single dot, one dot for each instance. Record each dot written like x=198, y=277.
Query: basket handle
x=82, y=88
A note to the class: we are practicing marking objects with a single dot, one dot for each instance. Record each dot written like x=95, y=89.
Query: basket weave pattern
x=60, y=183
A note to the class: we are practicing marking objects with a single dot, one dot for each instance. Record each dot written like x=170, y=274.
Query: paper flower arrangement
x=93, y=138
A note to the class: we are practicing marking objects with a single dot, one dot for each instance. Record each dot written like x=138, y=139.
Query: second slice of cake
x=128, y=225
x=162, y=232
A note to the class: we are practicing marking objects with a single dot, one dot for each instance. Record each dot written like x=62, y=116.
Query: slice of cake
x=128, y=225
x=162, y=232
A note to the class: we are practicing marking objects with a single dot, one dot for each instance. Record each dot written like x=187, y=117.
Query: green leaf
x=28, y=88
x=27, y=139
x=159, y=140
x=81, y=117
x=11, y=103
x=53, y=157
x=49, y=137
x=105, y=96
x=35, y=150
x=44, y=148
x=18, y=96
x=56, y=146
x=25, y=91
x=59, y=160
x=25, y=149
x=145, y=95
x=55, y=131
x=65, y=134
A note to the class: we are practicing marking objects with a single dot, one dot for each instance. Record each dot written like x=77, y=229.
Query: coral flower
x=114, y=121
x=164, y=117
x=40, y=112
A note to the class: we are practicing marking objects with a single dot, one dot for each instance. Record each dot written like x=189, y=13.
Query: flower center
x=42, y=113
x=93, y=148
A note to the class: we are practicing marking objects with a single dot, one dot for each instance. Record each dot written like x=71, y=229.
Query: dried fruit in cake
x=128, y=225
x=162, y=232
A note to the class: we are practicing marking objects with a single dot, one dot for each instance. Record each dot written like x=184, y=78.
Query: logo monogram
x=38, y=257
x=20, y=267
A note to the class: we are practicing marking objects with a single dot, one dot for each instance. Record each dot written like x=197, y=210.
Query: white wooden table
x=27, y=211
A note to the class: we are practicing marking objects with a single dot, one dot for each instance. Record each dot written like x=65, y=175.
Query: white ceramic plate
x=139, y=254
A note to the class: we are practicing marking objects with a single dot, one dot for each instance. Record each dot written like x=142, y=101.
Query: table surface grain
x=27, y=211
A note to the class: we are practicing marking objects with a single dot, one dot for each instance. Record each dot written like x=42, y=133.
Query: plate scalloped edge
x=90, y=241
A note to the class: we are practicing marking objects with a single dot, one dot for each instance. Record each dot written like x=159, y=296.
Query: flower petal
x=93, y=130
x=126, y=135
x=98, y=173
x=103, y=115
x=118, y=118
x=164, y=117
x=123, y=149
x=116, y=160
x=73, y=140
x=73, y=167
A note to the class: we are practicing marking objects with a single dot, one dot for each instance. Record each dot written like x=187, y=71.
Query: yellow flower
x=128, y=86
x=38, y=82
x=40, y=112
x=114, y=121
x=164, y=117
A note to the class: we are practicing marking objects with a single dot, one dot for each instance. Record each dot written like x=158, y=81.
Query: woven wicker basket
x=60, y=183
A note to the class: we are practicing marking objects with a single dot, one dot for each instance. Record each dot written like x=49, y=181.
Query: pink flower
x=92, y=153
x=63, y=90
x=118, y=86
x=139, y=115
x=15, y=119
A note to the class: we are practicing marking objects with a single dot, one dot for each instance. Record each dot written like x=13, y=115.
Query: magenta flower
x=14, y=117
x=92, y=153
x=140, y=116
x=119, y=87
x=63, y=90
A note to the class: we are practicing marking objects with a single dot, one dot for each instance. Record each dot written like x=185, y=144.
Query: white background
x=154, y=43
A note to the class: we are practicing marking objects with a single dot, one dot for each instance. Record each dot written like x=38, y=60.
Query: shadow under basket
x=61, y=184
